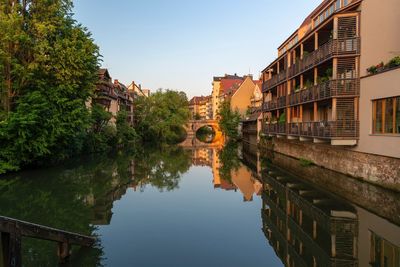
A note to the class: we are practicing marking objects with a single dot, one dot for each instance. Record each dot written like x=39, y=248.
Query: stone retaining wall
x=380, y=170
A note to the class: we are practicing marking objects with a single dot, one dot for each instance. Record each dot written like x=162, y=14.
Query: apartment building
x=328, y=85
x=136, y=90
x=252, y=121
x=114, y=97
x=200, y=107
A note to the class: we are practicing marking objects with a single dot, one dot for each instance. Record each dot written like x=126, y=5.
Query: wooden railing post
x=11, y=246
x=64, y=251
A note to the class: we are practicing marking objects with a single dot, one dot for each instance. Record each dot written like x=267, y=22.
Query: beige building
x=200, y=107
x=319, y=90
x=221, y=85
x=136, y=90
x=247, y=95
x=114, y=97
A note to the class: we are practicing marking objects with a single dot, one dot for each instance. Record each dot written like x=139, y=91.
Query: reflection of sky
x=194, y=225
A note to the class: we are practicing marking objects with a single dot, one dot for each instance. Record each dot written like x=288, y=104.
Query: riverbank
x=374, y=169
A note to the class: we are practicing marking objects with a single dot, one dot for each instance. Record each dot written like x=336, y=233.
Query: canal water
x=206, y=207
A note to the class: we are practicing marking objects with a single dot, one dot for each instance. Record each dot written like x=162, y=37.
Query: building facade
x=318, y=90
x=113, y=97
x=200, y=108
x=222, y=86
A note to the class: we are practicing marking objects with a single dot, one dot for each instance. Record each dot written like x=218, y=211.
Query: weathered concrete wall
x=380, y=201
x=380, y=170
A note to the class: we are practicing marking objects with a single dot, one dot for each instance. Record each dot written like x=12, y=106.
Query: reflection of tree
x=81, y=194
x=229, y=160
x=72, y=198
x=162, y=167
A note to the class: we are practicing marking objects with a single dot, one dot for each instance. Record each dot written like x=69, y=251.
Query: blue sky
x=182, y=44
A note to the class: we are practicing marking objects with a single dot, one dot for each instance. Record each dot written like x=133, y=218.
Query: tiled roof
x=199, y=99
x=229, y=86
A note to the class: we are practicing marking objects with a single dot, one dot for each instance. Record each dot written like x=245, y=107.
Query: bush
x=394, y=62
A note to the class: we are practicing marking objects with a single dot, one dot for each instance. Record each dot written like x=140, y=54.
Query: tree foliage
x=229, y=120
x=48, y=70
x=161, y=116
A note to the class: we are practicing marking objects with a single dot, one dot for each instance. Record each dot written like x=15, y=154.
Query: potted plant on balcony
x=380, y=67
x=372, y=70
x=394, y=62
x=307, y=84
x=282, y=118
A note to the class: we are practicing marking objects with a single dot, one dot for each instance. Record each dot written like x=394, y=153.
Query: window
x=386, y=116
x=345, y=2
x=383, y=252
x=337, y=5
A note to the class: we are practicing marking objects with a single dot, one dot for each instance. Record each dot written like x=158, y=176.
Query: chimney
x=116, y=81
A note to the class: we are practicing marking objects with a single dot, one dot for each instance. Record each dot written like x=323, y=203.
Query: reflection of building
x=202, y=156
x=244, y=180
x=379, y=241
x=305, y=226
x=309, y=227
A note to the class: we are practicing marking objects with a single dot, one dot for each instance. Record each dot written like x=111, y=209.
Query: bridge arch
x=194, y=125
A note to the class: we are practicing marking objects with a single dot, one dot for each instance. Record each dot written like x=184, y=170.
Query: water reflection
x=310, y=216
x=229, y=173
x=308, y=225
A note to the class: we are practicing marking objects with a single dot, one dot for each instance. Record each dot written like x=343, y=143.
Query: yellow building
x=241, y=100
x=220, y=86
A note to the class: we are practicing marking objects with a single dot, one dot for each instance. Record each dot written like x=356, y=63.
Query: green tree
x=101, y=136
x=229, y=120
x=161, y=116
x=126, y=134
x=49, y=74
x=197, y=117
x=229, y=158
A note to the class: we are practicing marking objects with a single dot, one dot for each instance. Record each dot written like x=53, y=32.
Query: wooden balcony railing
x=271, y=128
x=270, y=105
x=334, y=47
x=324, y=129
x=281, y=128
x=281, y=76
x=281, y=102
x=332, y=88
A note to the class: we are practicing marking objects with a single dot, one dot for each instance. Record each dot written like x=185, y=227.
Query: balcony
x=334, y=47
x=325, y=129
x=281, y=102
x=340, y=130
x=332, y=88
x=270, y=129
x=270, y=105
x=275, y=80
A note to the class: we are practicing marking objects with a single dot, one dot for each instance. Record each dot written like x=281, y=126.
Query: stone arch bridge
x=194, y=125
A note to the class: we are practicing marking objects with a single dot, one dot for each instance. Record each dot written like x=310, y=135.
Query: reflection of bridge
x=194, y=125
